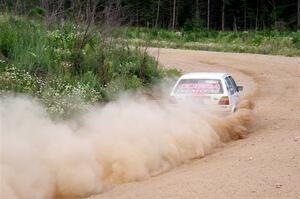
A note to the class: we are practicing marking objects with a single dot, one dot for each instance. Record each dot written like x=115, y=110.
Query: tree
x=274, y=13
x=245, y=14
x=256, y=16
x=174, y=15
x=197, y=14
x=157, y=13
x=298, y=25
x=208, y=14
x=223, y=15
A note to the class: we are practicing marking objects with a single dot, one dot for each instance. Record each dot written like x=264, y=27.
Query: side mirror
x=240, y=88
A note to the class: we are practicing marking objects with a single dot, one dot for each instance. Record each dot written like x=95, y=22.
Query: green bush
x=194, y=25
x=37, y=12
x=67, y=67
x=60, y=97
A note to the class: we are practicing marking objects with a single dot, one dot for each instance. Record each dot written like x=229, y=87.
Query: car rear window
x=199, y=86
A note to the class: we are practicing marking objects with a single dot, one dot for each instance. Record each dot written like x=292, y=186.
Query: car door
x=232, y=91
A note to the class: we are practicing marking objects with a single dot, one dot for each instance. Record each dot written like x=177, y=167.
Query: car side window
x=229, y=85
x=233, y=83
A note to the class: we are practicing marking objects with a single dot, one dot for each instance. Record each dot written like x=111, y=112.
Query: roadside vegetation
x=70, y=54
x=262, y=42
x=68, y=66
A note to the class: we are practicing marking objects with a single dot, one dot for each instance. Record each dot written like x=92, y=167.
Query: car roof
x=204, y=75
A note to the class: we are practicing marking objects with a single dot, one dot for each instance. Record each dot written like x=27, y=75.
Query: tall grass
x=65, y=62
x=262, y=42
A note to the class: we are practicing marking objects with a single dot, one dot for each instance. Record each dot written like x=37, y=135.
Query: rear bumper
x=204, y=102
x=224, y=108
x=220, y=109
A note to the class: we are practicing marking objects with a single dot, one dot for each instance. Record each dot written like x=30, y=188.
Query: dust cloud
x=130, y=139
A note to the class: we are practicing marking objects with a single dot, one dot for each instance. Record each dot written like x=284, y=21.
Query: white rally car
x=208, y=88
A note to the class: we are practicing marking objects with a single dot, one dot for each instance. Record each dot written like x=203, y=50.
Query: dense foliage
x=175, y=14
x=68, y=67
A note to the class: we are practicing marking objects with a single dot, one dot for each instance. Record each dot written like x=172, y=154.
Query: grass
x=262, y=42
x=68, y=68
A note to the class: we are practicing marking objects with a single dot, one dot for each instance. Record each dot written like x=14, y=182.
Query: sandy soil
x=264, y=165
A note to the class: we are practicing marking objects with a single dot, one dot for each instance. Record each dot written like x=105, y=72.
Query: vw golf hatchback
x=208, y=88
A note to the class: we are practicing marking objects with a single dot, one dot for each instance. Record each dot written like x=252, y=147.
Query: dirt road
x=264, y=165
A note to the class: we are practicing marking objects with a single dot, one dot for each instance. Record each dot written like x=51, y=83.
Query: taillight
x=224, y=100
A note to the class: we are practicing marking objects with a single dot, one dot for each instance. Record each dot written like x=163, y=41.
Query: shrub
x=266, y=42
x=62, y=98
x=67, y=67
x=37, y=12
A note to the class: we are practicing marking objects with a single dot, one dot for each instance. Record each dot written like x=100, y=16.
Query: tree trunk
x=234, y=24
x=245, y=18
x=298, y=15
x=16, y=7
x=256, y=17
x=274, y=14
x=208, y=14
x=197, y=14
x=174, y=15
x=223, y=15
x=157, y=13
x=137, y=17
